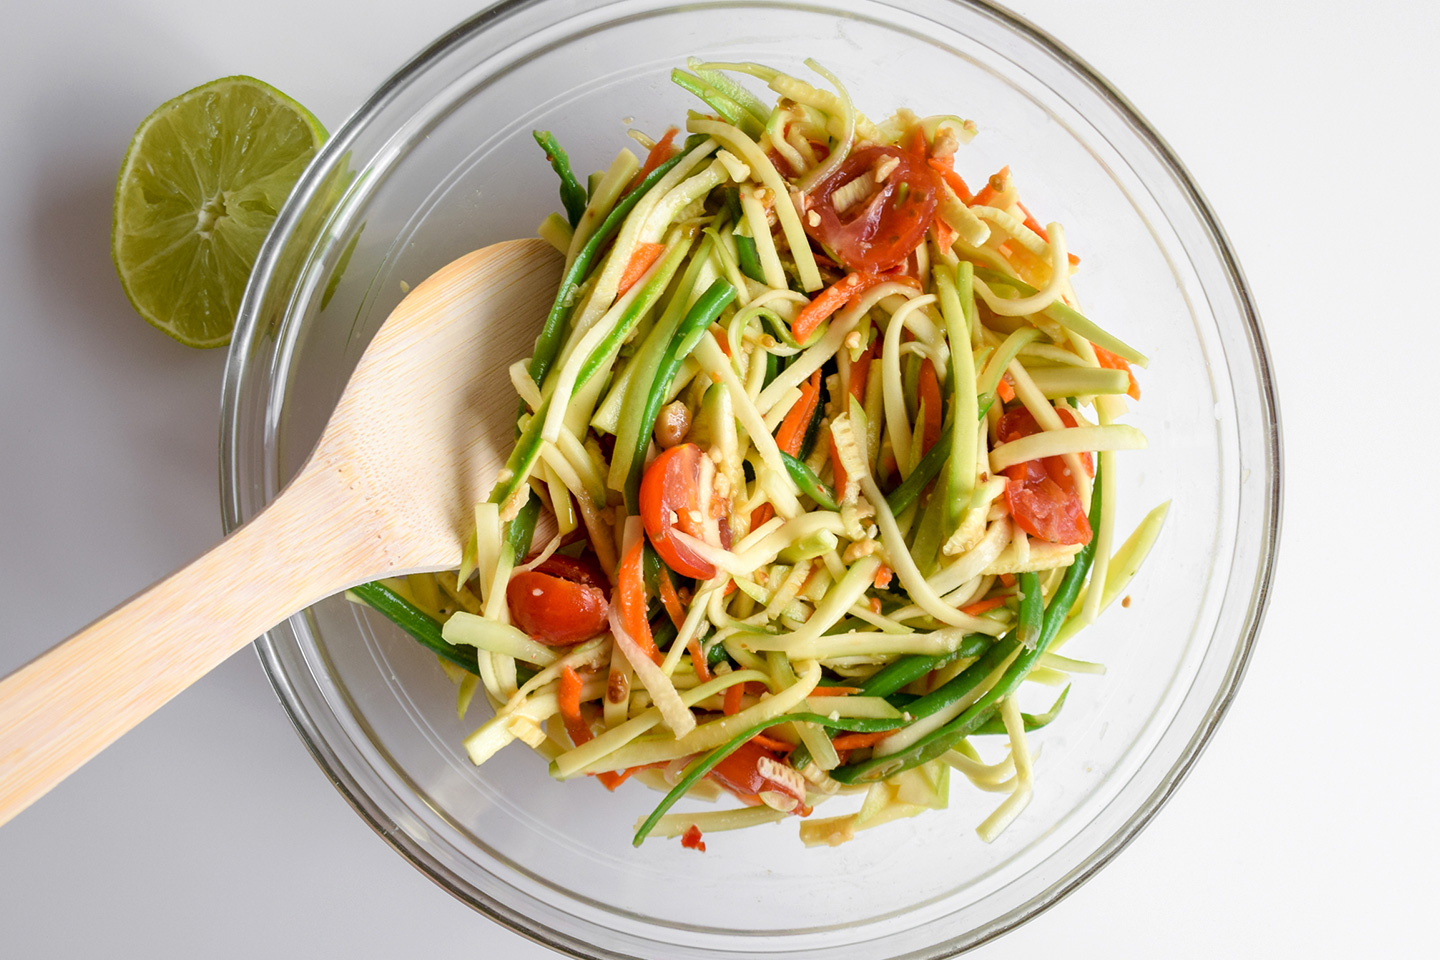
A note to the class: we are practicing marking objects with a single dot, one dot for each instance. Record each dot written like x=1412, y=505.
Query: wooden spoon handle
x=67, y=705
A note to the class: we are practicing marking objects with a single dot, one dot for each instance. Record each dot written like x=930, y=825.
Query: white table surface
x=1308, y=828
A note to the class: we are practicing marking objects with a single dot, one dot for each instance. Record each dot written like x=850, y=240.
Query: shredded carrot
x=993, y=188
x=855, y=741
x=770, y=743
x=698, y=661
x=1040, y=231
x=756, y=688
x=630, y=596
x=833, y=691
x=1110, y=361
x=613, y=778
x=645, y=254
x=980, y=606
x=829, y=300
x=945, y=166
x=1032, y=223
x=930, y=404
x=568, y=698
x=1004, y=390
x=883, y=576
x=1008, y=579
x=732, y=699
x=671, y=599
x=945, y=237
x=791, y=435
x=860, y=371
x=663, y=150
x=841, y=477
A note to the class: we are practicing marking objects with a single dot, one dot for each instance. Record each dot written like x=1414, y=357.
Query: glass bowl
x=440, y=161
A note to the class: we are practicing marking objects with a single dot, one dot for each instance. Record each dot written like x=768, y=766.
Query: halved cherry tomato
x=582, y=569
x=560, y=602
x=879, y=232
x=670, y=499
x=1041, y=496
x=741, y=774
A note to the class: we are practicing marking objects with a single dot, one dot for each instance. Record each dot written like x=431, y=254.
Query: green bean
x=663, y=632
x=522, y=458
x=749, y=258
x=711, y=760
x=902, y=496
x=547, y=345
x=929, y=465
x=812, y=432
x=943, y=738
x=572, y=194
x=703, y=313
x=415, y=622
x=605, y=350
x=929, y=531
x=1032, y=721
x=906, y=670
x=966, y=680
x=730, y=199
x=809, y=484
x=527, y=446
x=650, y=568
x=522, y=529
x=1032, y=610
x=772, y=368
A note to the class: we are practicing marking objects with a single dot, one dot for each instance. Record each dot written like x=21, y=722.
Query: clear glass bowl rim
x=246, y=330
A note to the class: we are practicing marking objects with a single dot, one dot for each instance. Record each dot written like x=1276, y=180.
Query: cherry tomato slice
x=740, y=773
x=582, y=569
x=555, y=610
x=880, y=231
x=670, y=499
x=1041, y=496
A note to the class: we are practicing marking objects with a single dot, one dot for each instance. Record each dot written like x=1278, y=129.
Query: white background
x=1307, y=829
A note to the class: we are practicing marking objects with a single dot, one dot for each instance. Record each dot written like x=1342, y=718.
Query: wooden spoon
x=423, y=425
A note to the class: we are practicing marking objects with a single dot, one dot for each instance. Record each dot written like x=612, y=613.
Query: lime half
x=203, y=179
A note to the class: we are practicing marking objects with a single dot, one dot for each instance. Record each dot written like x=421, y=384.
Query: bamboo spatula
x=426, y=419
